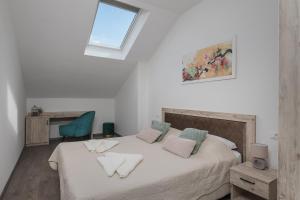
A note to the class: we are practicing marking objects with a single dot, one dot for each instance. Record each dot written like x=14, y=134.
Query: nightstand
x=248, y=183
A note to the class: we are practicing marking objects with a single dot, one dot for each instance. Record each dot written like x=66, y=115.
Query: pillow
x=179, y=146
x=172, y=131
x=194, y=134
x=228, y=143
x=149, y=135
x=163, y=127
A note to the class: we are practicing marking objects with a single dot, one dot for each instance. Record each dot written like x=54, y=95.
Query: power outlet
x=275, y=137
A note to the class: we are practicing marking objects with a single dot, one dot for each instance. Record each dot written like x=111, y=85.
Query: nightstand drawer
x=249, y=184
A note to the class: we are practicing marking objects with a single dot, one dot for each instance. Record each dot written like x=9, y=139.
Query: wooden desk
x=38, y=127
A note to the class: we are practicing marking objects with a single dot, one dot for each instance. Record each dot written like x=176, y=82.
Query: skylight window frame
x=119, y=5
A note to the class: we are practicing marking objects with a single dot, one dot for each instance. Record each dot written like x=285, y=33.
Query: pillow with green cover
x=163, y=127
x=194, y=134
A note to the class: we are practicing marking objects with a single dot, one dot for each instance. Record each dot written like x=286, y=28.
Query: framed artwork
x=216, y=62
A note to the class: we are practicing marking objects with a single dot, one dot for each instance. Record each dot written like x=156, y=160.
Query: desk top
x=59, y=114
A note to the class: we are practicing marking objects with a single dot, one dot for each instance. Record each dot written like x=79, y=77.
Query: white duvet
x=160, y=176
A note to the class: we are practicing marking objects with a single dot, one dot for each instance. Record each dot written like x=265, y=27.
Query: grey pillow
x=163, y=127
x=194, y=134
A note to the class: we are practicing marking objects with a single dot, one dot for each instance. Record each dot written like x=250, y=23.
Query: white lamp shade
x=259, y=151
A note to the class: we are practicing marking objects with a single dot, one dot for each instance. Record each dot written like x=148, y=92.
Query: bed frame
x=238, y=128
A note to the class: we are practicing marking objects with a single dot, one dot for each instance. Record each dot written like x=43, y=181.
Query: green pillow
x=163, y=127
x=194, y=134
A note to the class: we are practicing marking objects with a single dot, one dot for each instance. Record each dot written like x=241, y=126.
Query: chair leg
x=87, y=137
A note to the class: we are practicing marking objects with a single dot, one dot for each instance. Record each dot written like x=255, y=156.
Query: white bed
x=160, y=176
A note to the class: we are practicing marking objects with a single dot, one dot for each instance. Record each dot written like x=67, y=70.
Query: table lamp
x=259, y=154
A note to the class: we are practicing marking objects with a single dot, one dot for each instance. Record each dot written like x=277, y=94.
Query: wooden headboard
x=238, y=128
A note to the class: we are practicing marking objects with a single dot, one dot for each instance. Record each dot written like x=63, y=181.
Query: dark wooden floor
x=33, y=179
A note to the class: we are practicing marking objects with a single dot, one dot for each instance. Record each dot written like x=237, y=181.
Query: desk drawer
x=249, y=184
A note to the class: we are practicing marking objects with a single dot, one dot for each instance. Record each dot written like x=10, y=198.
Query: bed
x=162, y=175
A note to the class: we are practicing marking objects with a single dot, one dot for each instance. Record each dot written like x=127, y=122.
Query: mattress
x=160, y=176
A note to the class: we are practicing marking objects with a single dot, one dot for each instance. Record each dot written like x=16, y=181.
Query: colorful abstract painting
x=215, y=62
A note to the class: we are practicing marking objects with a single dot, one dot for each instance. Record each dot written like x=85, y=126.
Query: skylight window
x=113, y=22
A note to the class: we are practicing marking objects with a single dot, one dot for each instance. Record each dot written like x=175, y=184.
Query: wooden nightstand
x=248, y=183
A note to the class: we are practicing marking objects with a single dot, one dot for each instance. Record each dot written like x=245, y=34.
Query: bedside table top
x=246, y=168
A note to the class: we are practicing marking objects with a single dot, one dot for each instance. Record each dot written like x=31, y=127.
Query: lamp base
x=259, y=163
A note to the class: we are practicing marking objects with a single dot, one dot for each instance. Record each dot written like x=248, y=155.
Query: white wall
x=254, y=91
x=143, y=95
x=104, y=110
x=131, y=102
x=126, y=106
x=12, y=106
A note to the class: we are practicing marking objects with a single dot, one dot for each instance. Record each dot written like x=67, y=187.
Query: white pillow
x=228, y=143
x=179, y=146
x=172, y=131
x=149, y=135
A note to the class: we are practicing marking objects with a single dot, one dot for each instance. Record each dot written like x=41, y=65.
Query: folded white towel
x=100, y=145
x=111, y=163
x=106, y=145
x=91, y=145
x=131, y=161
x=128, y=163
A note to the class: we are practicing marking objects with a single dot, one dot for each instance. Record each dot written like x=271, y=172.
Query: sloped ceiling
x=174, y=6
x=52, y=36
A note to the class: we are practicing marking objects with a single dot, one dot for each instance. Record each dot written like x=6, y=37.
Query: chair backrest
x=86, y=120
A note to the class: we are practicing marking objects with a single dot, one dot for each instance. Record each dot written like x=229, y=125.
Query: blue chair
x=80, y=127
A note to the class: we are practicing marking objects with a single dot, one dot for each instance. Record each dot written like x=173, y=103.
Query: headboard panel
x=235, y=127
